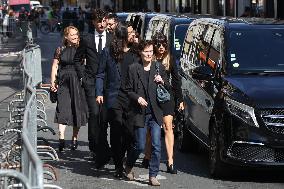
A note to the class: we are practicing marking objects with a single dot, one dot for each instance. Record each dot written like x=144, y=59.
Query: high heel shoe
x=171, y=169
x=74, y=144
x=61, y=145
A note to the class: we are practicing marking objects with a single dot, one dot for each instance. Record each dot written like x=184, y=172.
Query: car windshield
x=17, y=8
x=255, y=50
x=180, y=32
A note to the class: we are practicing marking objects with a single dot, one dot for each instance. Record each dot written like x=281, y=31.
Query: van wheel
x=216, y=165
x=186, y=142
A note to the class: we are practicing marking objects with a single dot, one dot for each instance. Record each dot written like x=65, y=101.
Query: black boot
x=61, y=145
x=74, y=144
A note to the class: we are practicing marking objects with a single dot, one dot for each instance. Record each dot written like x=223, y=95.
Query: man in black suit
x=90, y=48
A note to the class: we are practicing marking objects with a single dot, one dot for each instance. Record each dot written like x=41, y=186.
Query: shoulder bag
x=163, y=94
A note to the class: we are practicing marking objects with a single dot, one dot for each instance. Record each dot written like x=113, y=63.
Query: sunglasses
x=158, y=45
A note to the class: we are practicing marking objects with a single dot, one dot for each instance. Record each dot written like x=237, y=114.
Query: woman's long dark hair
x=119, y=42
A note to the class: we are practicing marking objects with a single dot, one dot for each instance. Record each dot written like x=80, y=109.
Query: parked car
x=122, y=16
x=233, y=87
x=172, y=26
x=140, y=21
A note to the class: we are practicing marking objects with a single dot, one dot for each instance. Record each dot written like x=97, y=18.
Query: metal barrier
x=30, y=113
x=13, y=27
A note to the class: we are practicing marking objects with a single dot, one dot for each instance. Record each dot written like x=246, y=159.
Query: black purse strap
x=157, y=65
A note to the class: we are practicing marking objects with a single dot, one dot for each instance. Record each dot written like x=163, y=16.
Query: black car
x=233, y=87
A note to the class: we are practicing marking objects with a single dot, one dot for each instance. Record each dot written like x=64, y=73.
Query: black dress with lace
x=71, y=107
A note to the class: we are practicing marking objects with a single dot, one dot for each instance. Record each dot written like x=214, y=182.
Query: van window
x=153, y=25
x=214, y=51
x=186, y=58
x=17, y=8
x=179, y=35
x=193, y=45
x=263, y=50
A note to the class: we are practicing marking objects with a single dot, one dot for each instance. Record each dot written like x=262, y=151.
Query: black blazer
x=87, y=49
x=108, y=70
x=136, y=87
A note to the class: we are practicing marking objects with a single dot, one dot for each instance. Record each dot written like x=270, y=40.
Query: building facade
x=258, y=8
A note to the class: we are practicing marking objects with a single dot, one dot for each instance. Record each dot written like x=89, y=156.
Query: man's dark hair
x=98, y=15
x=113, y=16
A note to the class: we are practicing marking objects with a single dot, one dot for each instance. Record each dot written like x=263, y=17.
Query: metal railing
x=29, y=173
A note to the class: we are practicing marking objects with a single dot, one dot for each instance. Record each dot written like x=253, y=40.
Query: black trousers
x=92, y=121
x=97, y=129
x=120, y=139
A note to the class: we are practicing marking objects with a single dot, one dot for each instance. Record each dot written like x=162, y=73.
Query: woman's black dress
x=71, y=107
x=175, y=91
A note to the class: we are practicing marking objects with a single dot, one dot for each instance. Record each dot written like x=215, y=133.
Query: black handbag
x=52, y=96
x=163, y=94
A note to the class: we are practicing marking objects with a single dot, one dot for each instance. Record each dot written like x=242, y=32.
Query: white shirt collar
x=97, y=33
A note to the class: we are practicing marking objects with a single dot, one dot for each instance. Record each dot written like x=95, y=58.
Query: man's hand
x=142, y=102
x=100, y=99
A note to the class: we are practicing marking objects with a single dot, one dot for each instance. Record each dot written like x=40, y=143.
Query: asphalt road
x=76, y=171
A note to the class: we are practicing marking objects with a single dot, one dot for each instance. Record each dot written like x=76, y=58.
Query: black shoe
x=61, y=145
x=119, y=173
x=101, y=162
x=145, y=163
x=74, y=144
x=171, y=169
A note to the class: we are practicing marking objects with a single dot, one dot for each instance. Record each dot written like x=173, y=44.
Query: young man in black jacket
x=90, y=48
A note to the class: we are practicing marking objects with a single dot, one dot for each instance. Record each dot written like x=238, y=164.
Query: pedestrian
x=71, y=109
x=81, y=20
x=90, y=48
x=112, y=22
x=66, y=18
x=144, y=109
x=162, y=55
x=113, y=71
x=23, y=14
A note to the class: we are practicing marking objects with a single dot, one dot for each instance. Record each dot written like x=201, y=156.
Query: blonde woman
x=71, y=107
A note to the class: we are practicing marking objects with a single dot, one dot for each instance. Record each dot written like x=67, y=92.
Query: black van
x=233, y=86
x=174, y=27
x=140, y=21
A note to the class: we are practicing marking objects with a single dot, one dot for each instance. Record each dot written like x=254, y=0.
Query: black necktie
x=100, y=46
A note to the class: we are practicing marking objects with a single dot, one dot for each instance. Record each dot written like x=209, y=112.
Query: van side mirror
x=202, y=73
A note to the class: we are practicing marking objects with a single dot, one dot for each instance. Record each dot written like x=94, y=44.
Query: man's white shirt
x=97, y=37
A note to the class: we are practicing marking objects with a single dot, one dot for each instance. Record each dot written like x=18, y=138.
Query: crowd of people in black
x=112, y=71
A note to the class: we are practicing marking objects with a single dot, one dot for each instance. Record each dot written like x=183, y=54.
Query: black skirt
x=168, y=108
x=72, y=108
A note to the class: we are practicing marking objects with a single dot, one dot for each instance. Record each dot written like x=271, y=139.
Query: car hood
x=258, y=91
